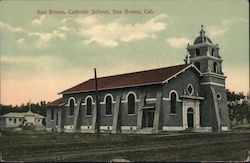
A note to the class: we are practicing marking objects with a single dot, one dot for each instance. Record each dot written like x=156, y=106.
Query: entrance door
x=190, y=117
x=148, y=118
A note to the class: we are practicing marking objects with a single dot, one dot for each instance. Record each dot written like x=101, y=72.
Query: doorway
x=148, y=118
x=56, y=119
x=190, y=117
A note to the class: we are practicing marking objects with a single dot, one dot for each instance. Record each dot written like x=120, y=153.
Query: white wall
x=38, y=121
x=13, y=122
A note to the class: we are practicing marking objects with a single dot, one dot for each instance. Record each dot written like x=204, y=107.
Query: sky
x=43, y=54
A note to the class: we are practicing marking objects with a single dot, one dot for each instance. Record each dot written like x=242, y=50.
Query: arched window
x=71, y=107
x=197, y=64
x=89, y=106
x=131, y=104
x=173, y=102
x=108, y=105
x=52, y=114
x=197, y=52
x=215, y=67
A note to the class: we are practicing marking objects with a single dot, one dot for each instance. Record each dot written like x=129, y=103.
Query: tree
x=231, y=111
x=238, y=115
x=248, y=115
x=238, y=111
x=36, y=108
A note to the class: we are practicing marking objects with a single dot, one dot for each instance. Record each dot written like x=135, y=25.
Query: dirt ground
x=231, y=146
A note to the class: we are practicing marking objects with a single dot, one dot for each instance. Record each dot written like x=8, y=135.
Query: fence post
x=248, y=156
x=1, y=157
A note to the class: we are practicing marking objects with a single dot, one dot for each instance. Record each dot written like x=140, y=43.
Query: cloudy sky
x=43, y=54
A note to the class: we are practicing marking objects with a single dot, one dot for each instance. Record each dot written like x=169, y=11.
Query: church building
x=187, y=97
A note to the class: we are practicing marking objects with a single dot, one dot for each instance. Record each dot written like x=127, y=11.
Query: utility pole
x=97, y=106
x=29, y=106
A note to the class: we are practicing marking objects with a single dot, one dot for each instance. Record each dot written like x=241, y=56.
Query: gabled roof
x=57, y=102
x=155, y=76
x=21, y=115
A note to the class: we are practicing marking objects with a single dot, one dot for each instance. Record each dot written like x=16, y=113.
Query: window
x=197, y=64
x=10, y=119
x=15, y=120
x=89, y=106
x=190, y=89
x=215, y=67
x=20, y=119
x=218, y=95
x=71, y=107
x=197, y=52
x=56, y=118
x=173, y=102
x=52, y=114
x=131, y=104
x=108, y=105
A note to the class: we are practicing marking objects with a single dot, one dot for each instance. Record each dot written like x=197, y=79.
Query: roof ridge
x=138, y=72
x=87, y=83
x=20, y=114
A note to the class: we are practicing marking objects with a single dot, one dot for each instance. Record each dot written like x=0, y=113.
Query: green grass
x=87, y=147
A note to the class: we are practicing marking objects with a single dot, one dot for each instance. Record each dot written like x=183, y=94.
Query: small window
x=197, y=52
x=108, y=105
x=173, y=102
x=20, y=119
x=131, y=104
x=15, y=120
x=89, y=106
x=218, y=95
x=10, y=119
x=71, y=107
x=52, y=114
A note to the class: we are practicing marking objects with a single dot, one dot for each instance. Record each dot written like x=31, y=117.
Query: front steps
x=197, y=130
x=147, y=130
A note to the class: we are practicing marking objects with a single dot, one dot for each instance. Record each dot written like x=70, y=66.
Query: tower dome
x=202, y=38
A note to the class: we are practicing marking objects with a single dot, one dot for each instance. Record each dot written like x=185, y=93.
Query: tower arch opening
x=215, y=67
x=197, y=51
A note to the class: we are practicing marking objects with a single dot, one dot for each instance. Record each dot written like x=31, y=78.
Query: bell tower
x=204, y=54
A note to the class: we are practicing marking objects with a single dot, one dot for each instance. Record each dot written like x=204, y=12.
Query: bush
x=29, y=127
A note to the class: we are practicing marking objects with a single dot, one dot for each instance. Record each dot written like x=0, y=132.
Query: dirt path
x=104, y=151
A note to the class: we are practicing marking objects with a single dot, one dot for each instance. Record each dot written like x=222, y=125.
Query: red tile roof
x=154, y=76
x=57, y=102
